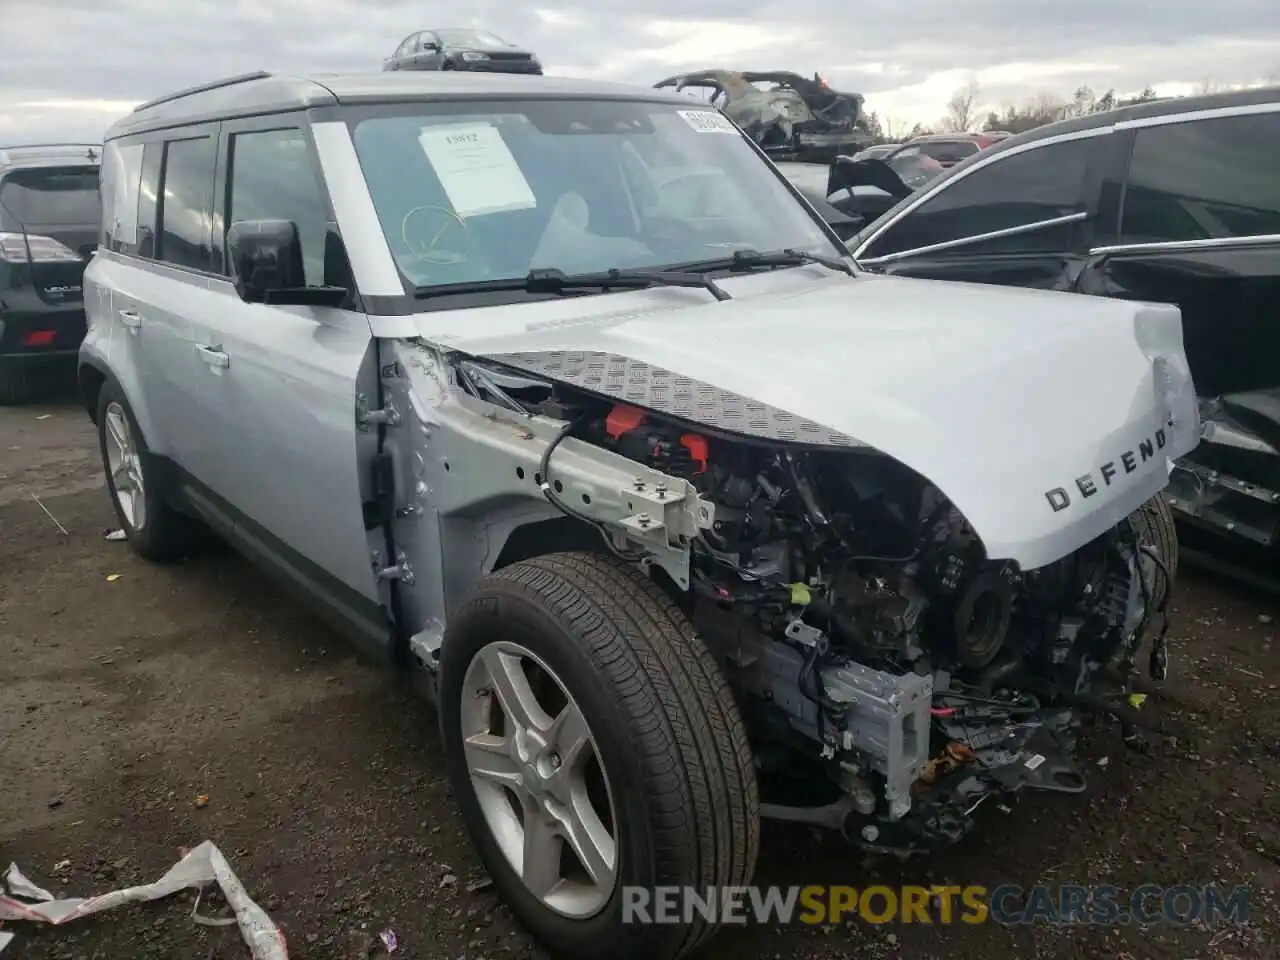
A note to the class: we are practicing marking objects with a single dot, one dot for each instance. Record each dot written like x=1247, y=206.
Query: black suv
x=1176, y=201
x=50, y=211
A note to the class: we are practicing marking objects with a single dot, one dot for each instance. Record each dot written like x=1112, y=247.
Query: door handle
x=214, y=357
x=130, y=318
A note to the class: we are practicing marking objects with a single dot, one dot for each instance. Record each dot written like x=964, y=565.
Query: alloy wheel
x=125, y=467
x=537, y=774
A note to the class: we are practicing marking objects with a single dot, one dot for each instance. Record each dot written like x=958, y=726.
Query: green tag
x=800, y=595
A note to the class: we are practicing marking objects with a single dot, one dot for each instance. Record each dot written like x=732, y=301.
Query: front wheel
x=596, y=752
x=1155, y=529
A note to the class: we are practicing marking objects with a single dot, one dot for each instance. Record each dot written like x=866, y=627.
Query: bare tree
x=962, y=109
x=894, y=130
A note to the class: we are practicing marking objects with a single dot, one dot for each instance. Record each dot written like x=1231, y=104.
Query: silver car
x=559, y=398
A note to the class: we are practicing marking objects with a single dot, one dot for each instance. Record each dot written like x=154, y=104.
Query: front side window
x=471, y=192
x=272, y=179
x=45, y=198
x=1041, y=184
x=186, y=203
x=1203, y=180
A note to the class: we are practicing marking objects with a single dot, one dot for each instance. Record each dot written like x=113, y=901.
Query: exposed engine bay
x=869, y=637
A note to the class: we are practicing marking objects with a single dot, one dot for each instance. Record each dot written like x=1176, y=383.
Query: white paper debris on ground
x=199, y=868
x=115, y=536
x=5, y=940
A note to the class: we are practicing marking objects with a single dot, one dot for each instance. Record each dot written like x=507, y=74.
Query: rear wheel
x=154, y=529
x=594, y=746
x=18, y=384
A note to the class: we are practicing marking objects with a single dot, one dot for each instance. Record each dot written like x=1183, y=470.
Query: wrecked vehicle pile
x=792, y=118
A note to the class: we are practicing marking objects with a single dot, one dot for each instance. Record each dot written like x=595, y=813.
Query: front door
x=280, y=383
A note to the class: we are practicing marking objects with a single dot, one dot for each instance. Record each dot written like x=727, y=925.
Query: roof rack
x=39, y=152
x=204, y=88
x=42, y=146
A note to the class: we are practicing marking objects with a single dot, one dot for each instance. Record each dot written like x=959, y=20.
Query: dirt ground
x=124, y=698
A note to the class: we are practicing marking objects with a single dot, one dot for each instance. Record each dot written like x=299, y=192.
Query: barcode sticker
x=1034, y=761
x=708, y=121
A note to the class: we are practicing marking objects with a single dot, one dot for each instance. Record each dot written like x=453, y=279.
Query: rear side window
x=149, y=199
x=1204, y=180
x=1041, y=184
x=272, y=179
x=186, y=205
x=121, y=173
x=42, y=198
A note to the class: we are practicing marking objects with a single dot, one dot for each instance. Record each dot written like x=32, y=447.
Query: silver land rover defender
x=558, y=396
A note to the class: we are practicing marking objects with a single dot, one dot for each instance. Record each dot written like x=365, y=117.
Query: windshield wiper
x=557, y=281
x=553, y=280
x=750, y=259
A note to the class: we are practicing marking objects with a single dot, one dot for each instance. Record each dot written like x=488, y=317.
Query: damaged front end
x=791, y=117
x=893, y=676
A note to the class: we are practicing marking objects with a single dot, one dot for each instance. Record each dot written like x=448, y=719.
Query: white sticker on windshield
x=476, y=169
x=708, y=121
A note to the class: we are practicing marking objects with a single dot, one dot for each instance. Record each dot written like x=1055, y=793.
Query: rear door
x=1023, y=218
x=280, y=383
x=160, y=277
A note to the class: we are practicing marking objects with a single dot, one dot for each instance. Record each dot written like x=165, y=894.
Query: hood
x=1045, y=417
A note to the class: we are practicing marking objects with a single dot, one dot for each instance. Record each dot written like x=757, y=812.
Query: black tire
x=667, y=731
x=18, y=385
x=448, y=65
x=1154, y=526
x=166, y=534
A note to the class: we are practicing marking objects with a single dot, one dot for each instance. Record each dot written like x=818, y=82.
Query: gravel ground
x=125, y=698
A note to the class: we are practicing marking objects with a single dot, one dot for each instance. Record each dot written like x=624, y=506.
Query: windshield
x=47, y=197
x=474, y=192
x=472, y=38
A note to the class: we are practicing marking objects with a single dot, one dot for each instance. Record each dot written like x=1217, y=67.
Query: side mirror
x=265, y=257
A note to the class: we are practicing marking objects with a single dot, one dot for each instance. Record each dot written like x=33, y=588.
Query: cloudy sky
x=70, y=67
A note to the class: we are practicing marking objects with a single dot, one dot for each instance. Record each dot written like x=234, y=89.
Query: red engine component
x=633, y=436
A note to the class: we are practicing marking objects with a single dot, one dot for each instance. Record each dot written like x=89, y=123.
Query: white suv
x=557, y=395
